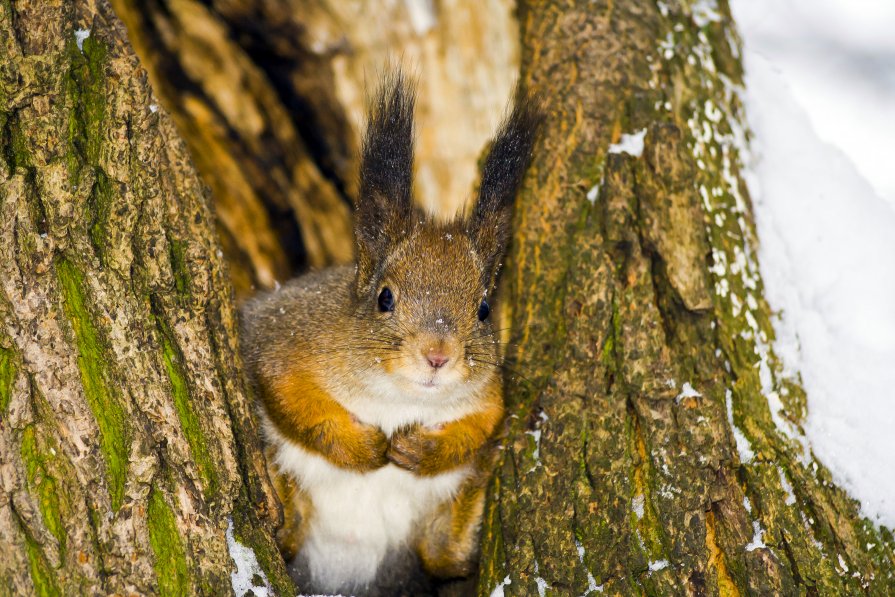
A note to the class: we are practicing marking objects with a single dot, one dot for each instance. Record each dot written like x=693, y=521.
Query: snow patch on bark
x=80, y=36
x=247, y=568
x=629, y=143
x=757, y=538
x=744, y=448
x=705, y=12
x=498, y=590
x=687, y=391
x=592, y=586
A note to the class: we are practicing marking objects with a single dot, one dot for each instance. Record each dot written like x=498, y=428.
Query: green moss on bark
x=43, y=577
x=15, y=145
x=86, y=89
x=7, y=377
x=170, y=559
x=42, y=483
x=189, y=421
x=99, y=204
x=96, y=380
x=179, y=269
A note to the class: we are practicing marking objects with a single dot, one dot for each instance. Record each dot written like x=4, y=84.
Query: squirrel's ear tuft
x=502, y=175
x=385, y=203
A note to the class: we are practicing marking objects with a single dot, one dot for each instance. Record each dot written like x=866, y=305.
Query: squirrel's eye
x=386, y=300
x=484, y=310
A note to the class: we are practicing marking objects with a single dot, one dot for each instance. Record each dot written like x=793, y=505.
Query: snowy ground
x=821, y=103
x=838, y=57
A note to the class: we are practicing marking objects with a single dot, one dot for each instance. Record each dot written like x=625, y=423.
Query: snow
x=705, y=12
x=592, y=585
x=247, y=567
x=536, y=454
x=542, y=586
x=787, y=488
x=757, y=538
x=498, y=590
x=744, y=448
x=687, y=391
x=629, y=143
x=842, y=564
x=80, y=36
x=820, y=83
x=536, y=435
x=592, y=193
x=838, y=57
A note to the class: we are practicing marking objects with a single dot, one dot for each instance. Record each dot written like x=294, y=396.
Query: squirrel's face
x=428, y=310
x=422, y=287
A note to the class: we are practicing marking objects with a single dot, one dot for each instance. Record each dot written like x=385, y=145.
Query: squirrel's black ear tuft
x=502, y=175
x=385, y=203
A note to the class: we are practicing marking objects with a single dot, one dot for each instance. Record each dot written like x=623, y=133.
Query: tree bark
x=128, y=452
x=655, y=443
x=252, y=100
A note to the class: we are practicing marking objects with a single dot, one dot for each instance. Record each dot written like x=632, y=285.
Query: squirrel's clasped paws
x=421, y=450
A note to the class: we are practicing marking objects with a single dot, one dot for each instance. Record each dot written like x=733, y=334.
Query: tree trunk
x=252, y=101
x=128, y=453
x=655, y=444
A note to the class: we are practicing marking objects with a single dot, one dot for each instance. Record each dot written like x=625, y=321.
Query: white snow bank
x=839, y=58
x=827, y=255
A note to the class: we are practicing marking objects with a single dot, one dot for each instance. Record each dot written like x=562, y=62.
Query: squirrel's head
x=423, y=287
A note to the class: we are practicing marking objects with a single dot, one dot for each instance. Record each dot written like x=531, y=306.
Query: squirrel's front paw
x=420, y=450
x=354, y=445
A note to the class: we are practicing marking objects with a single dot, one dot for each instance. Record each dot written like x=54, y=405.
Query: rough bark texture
x=252, y=101
x=127, y=445
x=655, y=444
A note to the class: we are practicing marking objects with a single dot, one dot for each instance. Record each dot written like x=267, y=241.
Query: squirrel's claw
x=405, y=448
x=419, y=450
x=407, y=461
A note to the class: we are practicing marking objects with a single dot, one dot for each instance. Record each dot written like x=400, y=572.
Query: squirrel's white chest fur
x=359, y=517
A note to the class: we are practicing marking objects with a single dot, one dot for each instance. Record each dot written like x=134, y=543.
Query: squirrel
x=380, y=385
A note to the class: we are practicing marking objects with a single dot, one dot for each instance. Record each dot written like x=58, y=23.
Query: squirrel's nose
x=436, y=359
